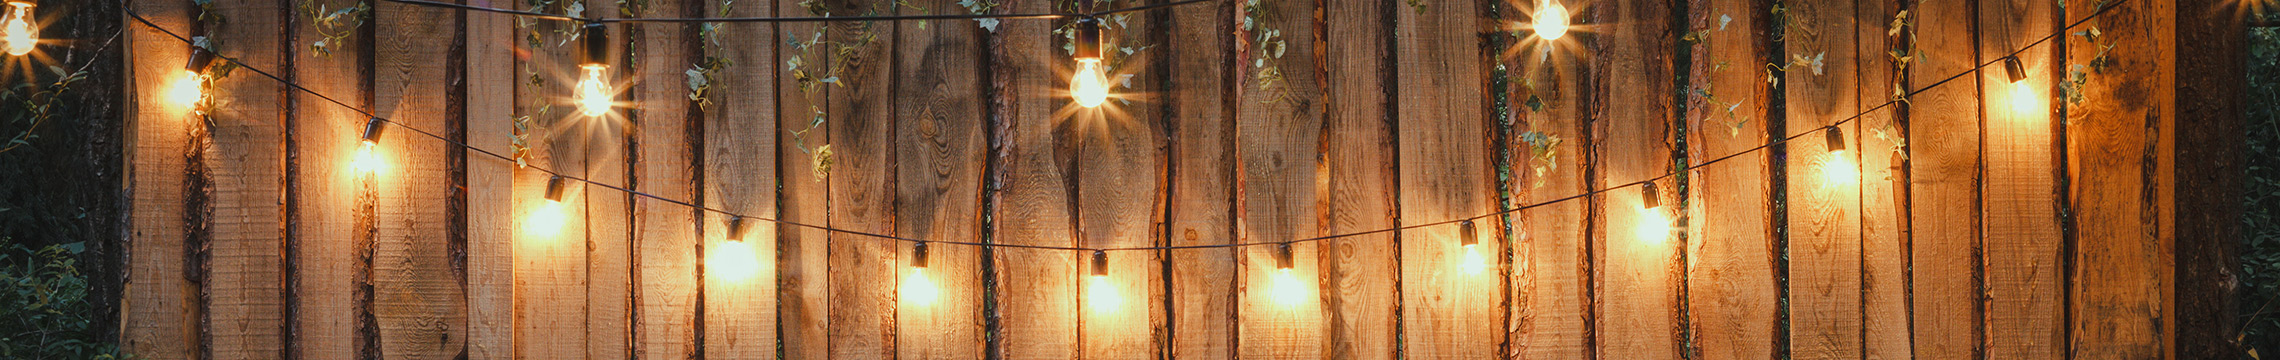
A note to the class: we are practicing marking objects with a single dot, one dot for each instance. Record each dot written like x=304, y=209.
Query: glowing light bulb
x=1551, y=20
x=368, y=159
x=1473, y=262
x=731, y=261
x=593, y=94
x=1089, y=86
x=188, y=90
x=1288, y=290
x=1653, y=225
x=2024, y=102
x=17, y=29
x=1101, y=294
x=917, y=289
x=1838, y=170
x=546, y=221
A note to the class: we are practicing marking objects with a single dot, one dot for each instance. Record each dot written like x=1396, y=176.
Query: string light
x=1469, y=235
x=1837, y=170
x=1287, y=288
x=1653, y=225
x=367, y=159
x=1551, y=20
x=191, y=88
x=916, y=288
x=733, y=260
x=16, y=28
x=593, y=92
x=1089, y=86
x=2023, y=99
x=1101, y=294
x=547, y=220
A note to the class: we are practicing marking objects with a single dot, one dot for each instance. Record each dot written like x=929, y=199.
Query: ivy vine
x=334, y=26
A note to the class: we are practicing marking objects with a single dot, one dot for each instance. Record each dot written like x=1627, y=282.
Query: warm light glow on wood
x=1654, y=227
x=1288, y=290
x=1473, y=262
x=1101, y=296
x=546, y=221
x=731, y=261
x=187, y=90
x=918, y=290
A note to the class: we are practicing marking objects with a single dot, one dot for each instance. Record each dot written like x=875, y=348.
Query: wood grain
x=1199, y=206
x=1446, y=174
x=549, y=259
x=1551, y=309
x=1635, y=266
x=332, y=218
x=1732, y=279
x=940, y=155
x=160, y=313
x=741, y=175
x=1823, y=199
x=665, y=262
x=419, y=300
x=1883, y=183
x=1038, y=290
x=611, y=300
x=1943, y=168
x=862, y=133
x=802, y=258
x=244, y=288
x=2120, y=158
x=2024, y=301
x=1360, y=300
x=491, y=186
x=1278, y=131
x=1119, y=164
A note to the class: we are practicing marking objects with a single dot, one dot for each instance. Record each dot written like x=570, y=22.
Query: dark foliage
x=2260, y=245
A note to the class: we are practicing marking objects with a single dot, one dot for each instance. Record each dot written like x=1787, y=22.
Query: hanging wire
x=126, y=5
x=786, y=19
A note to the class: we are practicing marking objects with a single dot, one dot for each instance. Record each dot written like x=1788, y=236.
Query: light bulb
x=2023, y=99
x=1551, y=20
x=917, y=289
x=731, y=261
x=187, y=90
x=368, y=159
x=1089, y=86
x=1653, y=226
x=1473, y=262
x=17, y=30
x=1837, y=170
x=593, y=94
x=1288, y=290
x=1101, y=294
x=546, y=221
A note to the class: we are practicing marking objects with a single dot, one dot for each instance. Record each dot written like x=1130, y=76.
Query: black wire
x=534, y=14
x=126, y=6
x=796, y=19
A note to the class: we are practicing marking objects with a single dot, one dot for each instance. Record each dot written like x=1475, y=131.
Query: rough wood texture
x=1360, y=300
x=1446, y=175
x=941, y=150
x=419, y=301
x=332, y=217
x=1823, y=199
x=1943, y=168
x=2022, y=241
x=665, y=242
x=549, y=258
x=611, y=295
x=1883, y=183
x=1732, y=278
x=802, y=259
x=862, y=132
x=1551, y=309
x=160, y=313
x=1119, y=166
x=1278, y=127
x=741, y=176
x=2210, y=155
x=1635, y=266
x=491, y=186
x=1200, y=203
x=245, y=280
x=2120, y=157
x=1038, y=290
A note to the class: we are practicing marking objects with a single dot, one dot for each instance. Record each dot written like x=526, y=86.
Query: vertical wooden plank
x=861, y=179
x=1943, y=175
x=741, y=176
x=2025, y=301
x=1823, y=186
x=159, y=314
x=418, y=300
x=1360, y=304
x=610, y=291
x=244, y=289
x=2119, y=156
x=1446, y=175
x=1551, y=310
x=1883, y=227
x=1634, y=257
x=665, y=235
x=1278, y=138
x=331, y=280
x=1119, y=170
x=550, y=247
x=491, y=186
x=1200, y=202
x=802, y=259
x=940, y=154
x=1037, y=289
x=2209, y=155
x=1732, y=275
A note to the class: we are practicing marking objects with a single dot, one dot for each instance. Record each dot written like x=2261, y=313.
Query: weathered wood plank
x=1200, y=204
x=550, y=244
x=160, y=313
x=802, y=258
x=2119, y=158
x=940, y=155
x=1120, y=187
x=1038, y=290
x=332, y=218
x=1635, y=266
x=603, y=141
x=244, y=287
x=665, y=259
x=1732, y=279
x=419, y=299
x=1278, y=139
x=2025, y=300
x=1550, y=309
x=1360, y=304
x=862, y=176
x=741, y=176
x=1823, y=199
x=1446, y=174
x=1943, y=169
x=2209, y=155
x=1883, y=227
x=491, y=197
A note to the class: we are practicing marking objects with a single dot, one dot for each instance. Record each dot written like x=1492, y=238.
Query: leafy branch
x=1269, y=46
x=334, y=26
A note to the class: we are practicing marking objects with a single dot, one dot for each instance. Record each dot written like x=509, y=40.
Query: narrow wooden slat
x=1943, y=168
x=602, y=141
x=331, y=219
x=2209, y=154
x=1037, y=295
x=549, y=242
x=1119, y=170
x=1732, y=278
x=244, y=288
x=1200, y=203
x=1359, y=300
x=1823, y=199
x=418, y=299
x=665, y=241
x=159, y=315
x=2120, y=157
x=741, y=176
x=862, y=137
x=940, y=154
x=491, y=186
x=1883, y=227
x=1635, y=268
x=2025, y=301
x=802, y=259
x=1550, y=310
x=1446, y=174
x=1278, y=131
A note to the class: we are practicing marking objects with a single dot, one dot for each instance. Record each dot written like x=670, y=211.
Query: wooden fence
x=1965, y=222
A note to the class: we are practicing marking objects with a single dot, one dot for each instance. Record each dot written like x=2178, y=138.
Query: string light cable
x=1645, y=184
x=1027, y=16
